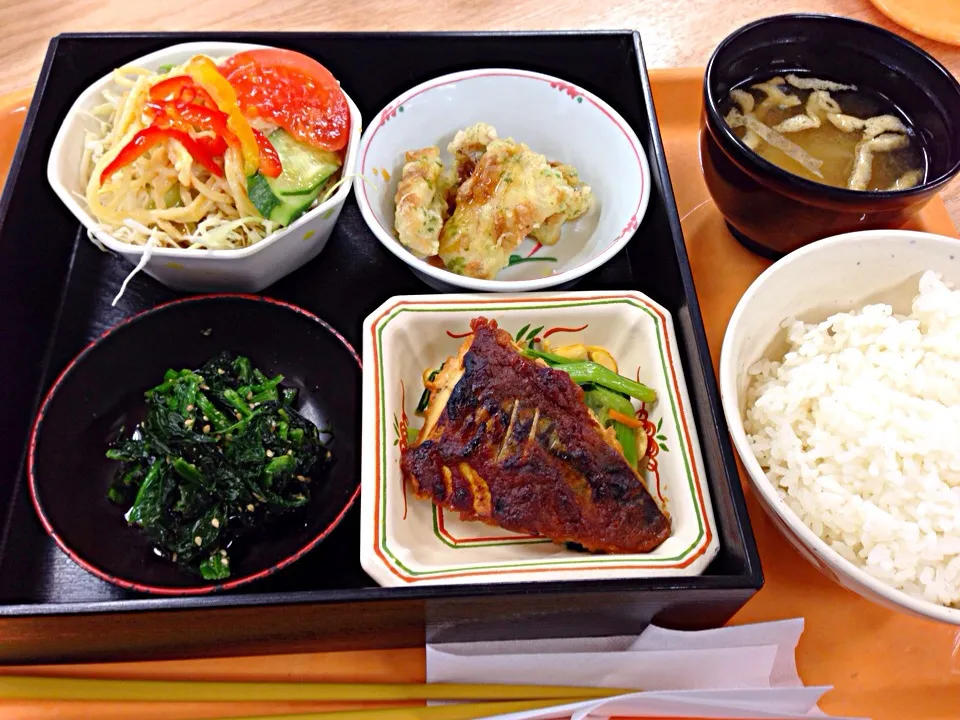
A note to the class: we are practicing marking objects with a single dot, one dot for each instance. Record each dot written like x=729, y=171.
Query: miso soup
x=829, y=132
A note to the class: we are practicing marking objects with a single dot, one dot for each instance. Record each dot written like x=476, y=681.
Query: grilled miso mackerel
x=511, y=439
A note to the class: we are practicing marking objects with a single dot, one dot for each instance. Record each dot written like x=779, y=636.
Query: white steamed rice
x=859, y=428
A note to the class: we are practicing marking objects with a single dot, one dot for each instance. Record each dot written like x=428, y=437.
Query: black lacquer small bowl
x=773, y=211
x=102, y=390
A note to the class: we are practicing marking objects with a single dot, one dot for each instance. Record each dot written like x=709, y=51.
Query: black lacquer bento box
x=56, y=290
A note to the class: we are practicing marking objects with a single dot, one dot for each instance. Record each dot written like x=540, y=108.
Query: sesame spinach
x=220, y=451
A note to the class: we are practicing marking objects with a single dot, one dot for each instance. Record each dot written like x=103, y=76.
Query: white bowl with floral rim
x=248, y=269
x=556, y=118
x=407, y=540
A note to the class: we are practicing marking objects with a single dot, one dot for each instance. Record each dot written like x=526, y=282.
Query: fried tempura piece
x=582, y=199
x=847, y=123
x=872, y=127
x=797, y=123
x=814, y=84
x=908, y=180
x=467, y=147
x=743, y=99
x=511, y=192
x=421, y=206
x=549, y=231
x=775, y=96
x=863, y=162
x=819, y=104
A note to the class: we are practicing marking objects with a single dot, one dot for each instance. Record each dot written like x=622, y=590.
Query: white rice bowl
x=858, y=428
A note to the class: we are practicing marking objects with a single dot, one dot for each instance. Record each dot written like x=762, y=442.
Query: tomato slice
x=292, y=90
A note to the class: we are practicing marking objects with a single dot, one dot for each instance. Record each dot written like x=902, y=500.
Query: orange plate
x=935, y=19
x=882, y=664
x=13, y=111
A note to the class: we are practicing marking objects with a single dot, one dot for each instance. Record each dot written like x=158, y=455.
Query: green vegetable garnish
x=591, y=372
x=627, y=437
x=601, y=400
x=425, y=395
x=518, y=259
x=584, y=371
x=221, y=451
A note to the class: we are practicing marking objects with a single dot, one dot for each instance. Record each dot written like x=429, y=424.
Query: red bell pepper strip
x=181, y=103
x=269, y=159
x=184, y=117
x=150, y=137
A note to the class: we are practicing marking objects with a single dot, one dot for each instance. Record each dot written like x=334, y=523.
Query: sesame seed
x=269, y=453
x=198, y=540
x=223, y=553
x=189, y=407
x=204, y=386
x=289, y=452
x=188, y=422
x=239, y=416
x=252, y=405
x=206, y=428
x=215, y=522
x=205, y=418
x=220, y=371
x=224, y=561
x=249, y=394
x=174, y=557
x=250, y=507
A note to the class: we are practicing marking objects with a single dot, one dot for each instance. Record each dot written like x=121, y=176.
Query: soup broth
x=832, y=146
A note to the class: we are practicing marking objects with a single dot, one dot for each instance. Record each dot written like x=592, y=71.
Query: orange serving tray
x=882, y=664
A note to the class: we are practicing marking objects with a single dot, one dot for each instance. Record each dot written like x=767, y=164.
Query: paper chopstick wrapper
x=746, y=671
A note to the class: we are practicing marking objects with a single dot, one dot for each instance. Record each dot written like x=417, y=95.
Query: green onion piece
x=518, y=259
x=591, y=372
x=627, y=437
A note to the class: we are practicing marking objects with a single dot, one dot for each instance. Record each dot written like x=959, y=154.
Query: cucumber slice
x=305, y=168
x=282, y=209
x=306, y=171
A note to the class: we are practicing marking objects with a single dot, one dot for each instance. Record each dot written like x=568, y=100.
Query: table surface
x=675, y=33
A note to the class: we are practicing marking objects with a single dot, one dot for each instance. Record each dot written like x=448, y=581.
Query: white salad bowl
x=248, y=269
x=835, y=275
x=555, y=118
x=406, y=540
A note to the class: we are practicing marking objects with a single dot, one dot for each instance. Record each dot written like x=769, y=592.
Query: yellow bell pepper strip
x=205, y=74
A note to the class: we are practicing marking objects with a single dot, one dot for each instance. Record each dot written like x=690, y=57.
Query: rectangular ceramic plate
x=406, y=540
x=56, y=288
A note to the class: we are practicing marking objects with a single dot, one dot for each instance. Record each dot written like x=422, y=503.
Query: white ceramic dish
x=838, y=274
x=424, y=544
x=553, y=117
x=248, y=269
